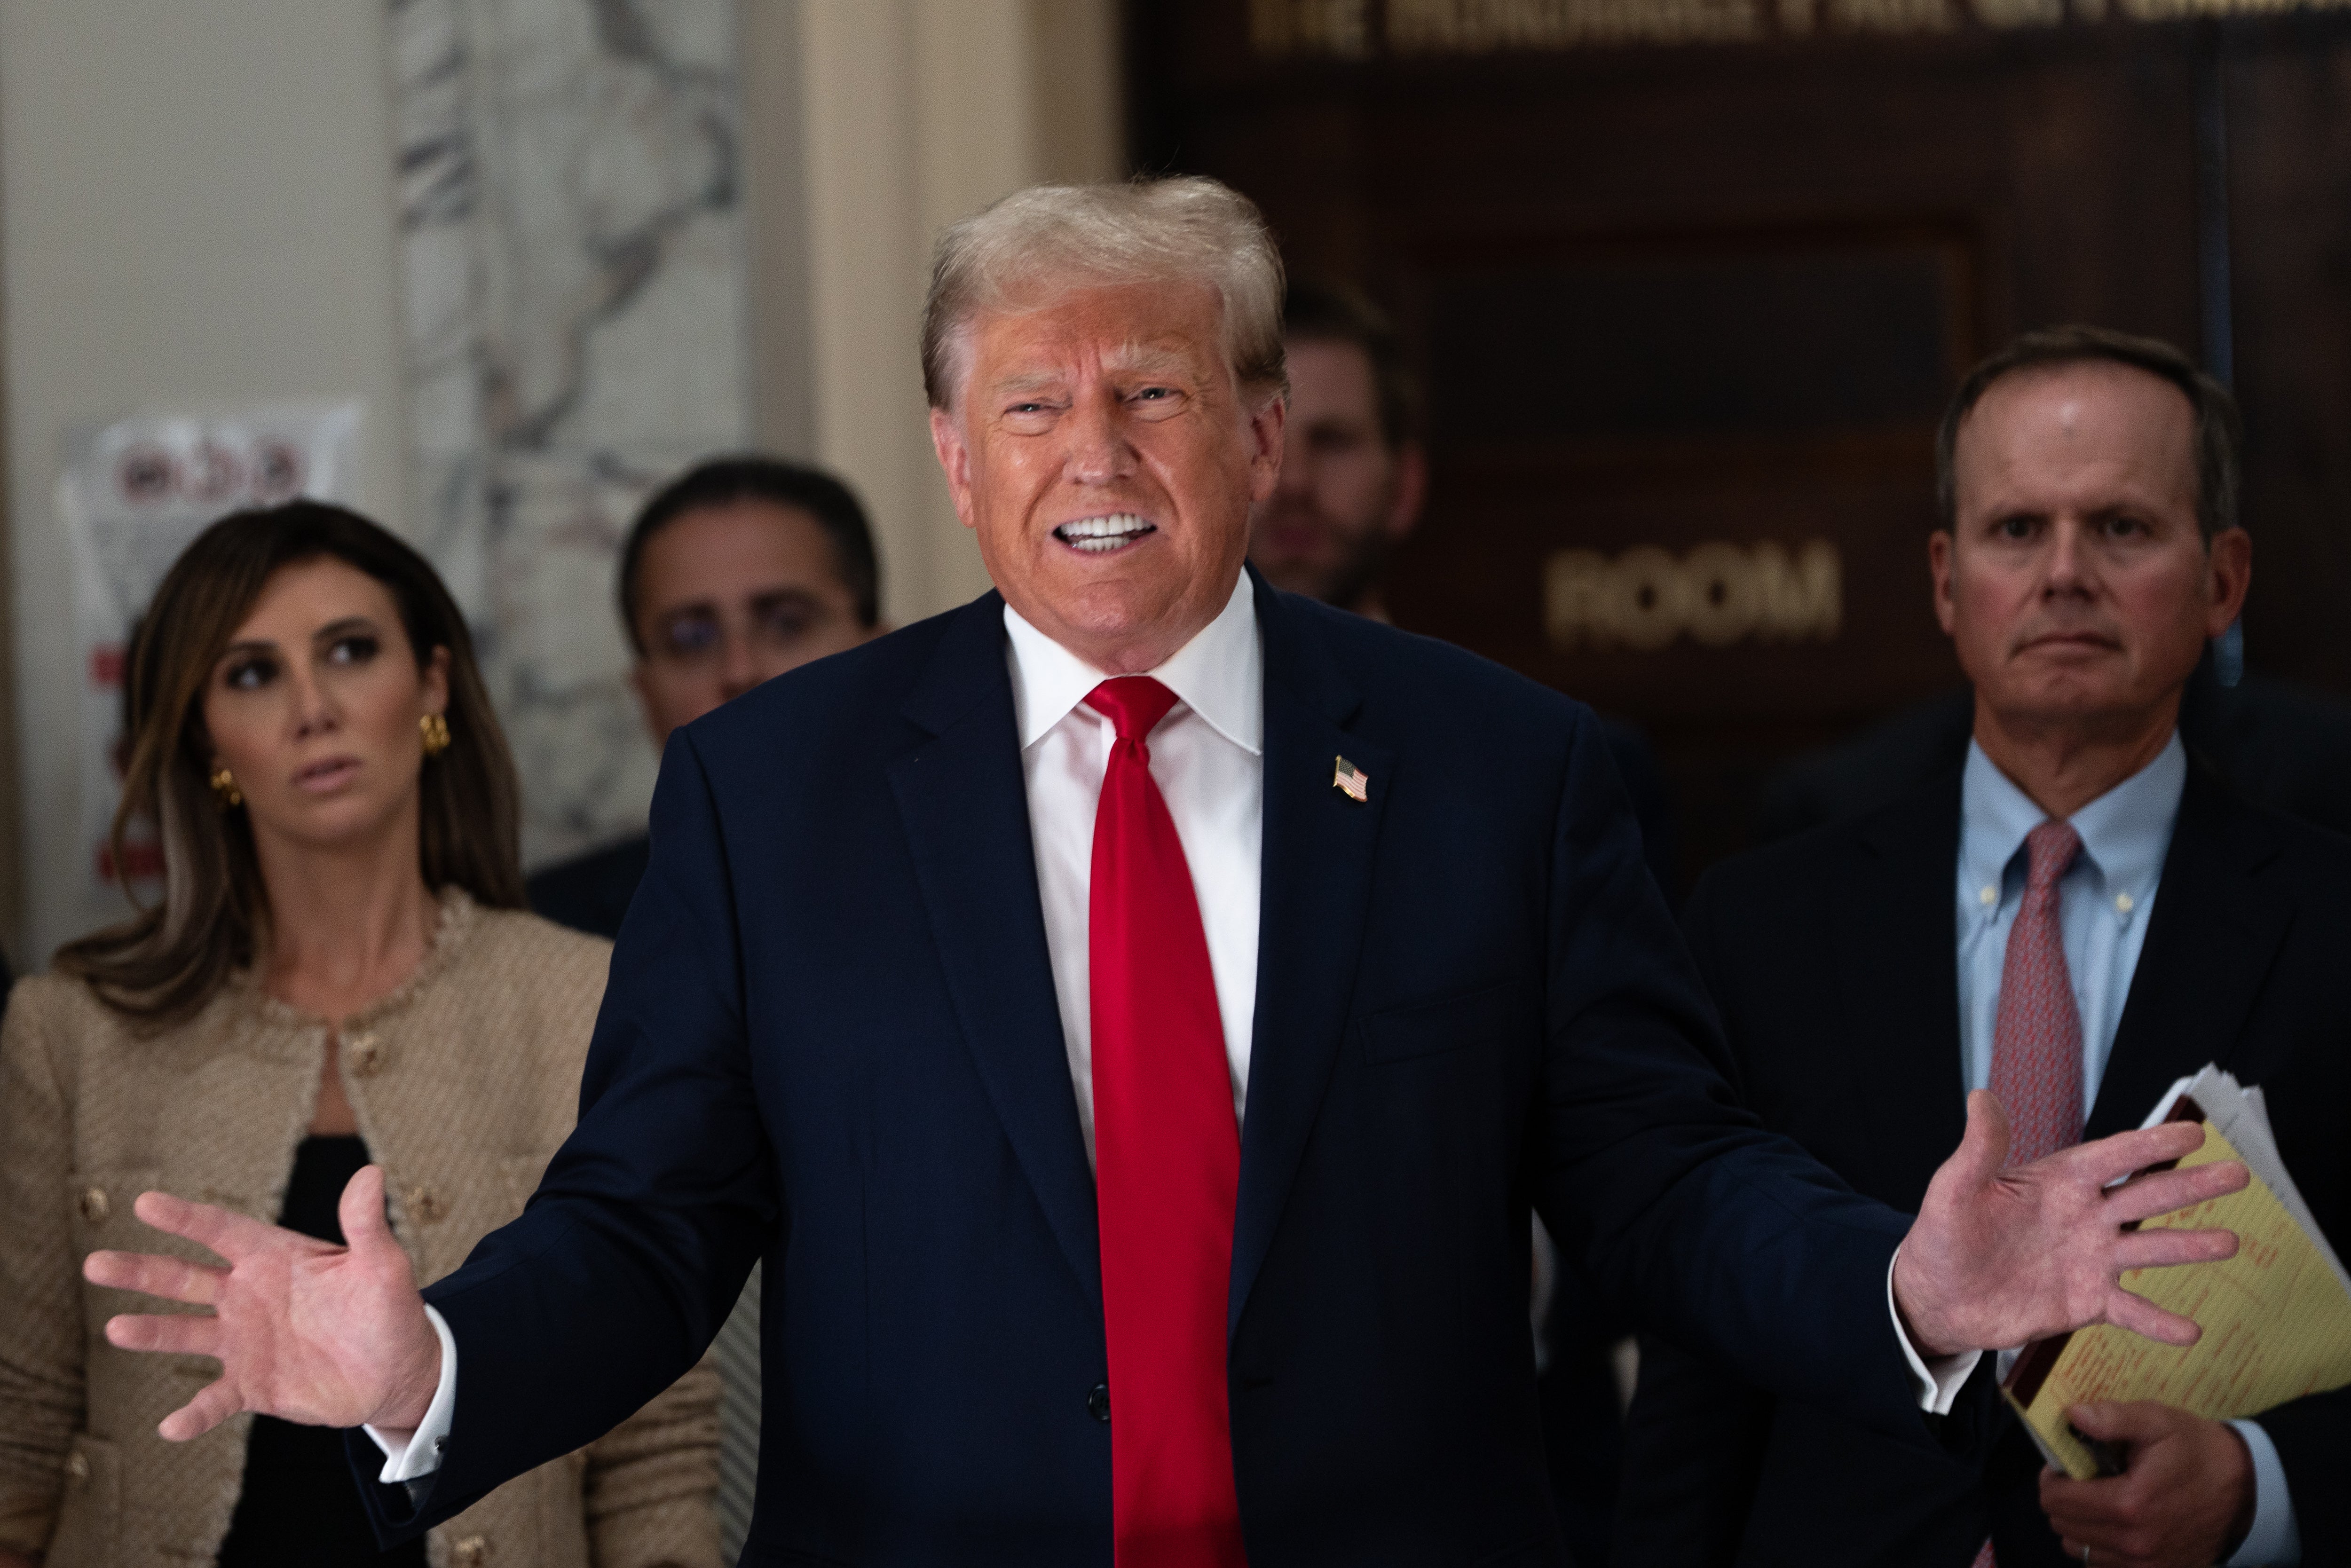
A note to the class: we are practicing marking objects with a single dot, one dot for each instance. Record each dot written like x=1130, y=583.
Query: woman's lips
x=321, y=777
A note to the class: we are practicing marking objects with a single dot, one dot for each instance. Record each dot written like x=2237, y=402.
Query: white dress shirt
x=1207, y=757
x=2104, y=903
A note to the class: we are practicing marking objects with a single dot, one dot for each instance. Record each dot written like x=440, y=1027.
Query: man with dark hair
x=1353, y=472
x=736, y=571
x=2000, y=926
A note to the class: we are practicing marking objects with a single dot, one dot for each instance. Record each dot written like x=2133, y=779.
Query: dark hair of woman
x=166, y=962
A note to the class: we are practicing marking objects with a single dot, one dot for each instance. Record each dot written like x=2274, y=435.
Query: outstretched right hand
x=323, y=1335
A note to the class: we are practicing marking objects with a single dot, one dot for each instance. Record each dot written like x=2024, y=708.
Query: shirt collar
x=1218, y=674
x=2125, y=832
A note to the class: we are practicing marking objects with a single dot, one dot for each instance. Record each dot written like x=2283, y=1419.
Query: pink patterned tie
x=2036, y=1054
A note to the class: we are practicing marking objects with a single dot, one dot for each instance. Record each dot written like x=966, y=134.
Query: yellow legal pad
x=2276, y=1321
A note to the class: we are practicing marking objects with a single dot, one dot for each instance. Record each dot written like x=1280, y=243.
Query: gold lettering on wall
x=2181, y=10
x=1340, y=28
x=1351, y=29
x=1647, y=599
x=1480, y=26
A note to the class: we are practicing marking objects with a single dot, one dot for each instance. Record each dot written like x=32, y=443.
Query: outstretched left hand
x=2185, y=1501
x=1999, y=1257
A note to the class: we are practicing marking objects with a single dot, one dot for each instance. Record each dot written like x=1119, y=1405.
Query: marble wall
x=574, y=332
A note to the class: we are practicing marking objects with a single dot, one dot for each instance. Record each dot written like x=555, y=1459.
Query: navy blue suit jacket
x=831, y=1040
x=1832, y=957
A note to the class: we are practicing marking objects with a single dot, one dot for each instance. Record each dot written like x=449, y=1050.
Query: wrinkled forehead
x=1053, y=330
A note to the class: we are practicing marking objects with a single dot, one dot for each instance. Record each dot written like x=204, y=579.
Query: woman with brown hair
x=339, y=972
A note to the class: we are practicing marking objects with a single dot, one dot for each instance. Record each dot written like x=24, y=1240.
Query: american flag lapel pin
x=1351, y=781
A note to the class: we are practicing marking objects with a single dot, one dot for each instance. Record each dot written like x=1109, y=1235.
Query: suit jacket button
x=473, y=1551
x=78, y=1467
x=1098, y=1402
x=426, y=1206
x=94, y=1206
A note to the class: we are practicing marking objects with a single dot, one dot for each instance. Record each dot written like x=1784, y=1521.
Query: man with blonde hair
x=1138, y=1087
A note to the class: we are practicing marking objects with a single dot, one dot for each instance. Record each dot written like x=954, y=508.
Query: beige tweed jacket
x=464, y=1079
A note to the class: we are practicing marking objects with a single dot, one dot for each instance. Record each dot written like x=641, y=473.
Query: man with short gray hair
x=1133, y=1016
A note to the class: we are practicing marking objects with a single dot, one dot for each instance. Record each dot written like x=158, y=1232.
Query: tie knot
x=2049, y=851
x=1133, y=704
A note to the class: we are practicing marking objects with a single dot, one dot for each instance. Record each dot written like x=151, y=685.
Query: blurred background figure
x=733, y=573
x=2123, y=917
x=1353, y=472
x=338, y=973
x=736, y=571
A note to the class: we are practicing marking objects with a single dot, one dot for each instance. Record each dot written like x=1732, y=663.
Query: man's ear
x=1265, y=447
x=1411, y=490
x=1938, y=564
x=955, y=460
x=2231, y=573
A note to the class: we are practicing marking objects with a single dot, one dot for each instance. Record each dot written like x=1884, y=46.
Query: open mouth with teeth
x=1100, y=535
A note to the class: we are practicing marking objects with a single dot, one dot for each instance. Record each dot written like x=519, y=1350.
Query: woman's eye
x=356, y=649
x=249, y=674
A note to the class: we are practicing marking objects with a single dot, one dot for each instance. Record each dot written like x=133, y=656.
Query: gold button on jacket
x=464, y=1081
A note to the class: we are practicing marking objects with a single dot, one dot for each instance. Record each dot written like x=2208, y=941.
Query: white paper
x=2241, y=1116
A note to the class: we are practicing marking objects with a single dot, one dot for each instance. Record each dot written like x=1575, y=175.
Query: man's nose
x=738, y=671
x=1099, y=450
x=2069, y=566
x=1297, y=477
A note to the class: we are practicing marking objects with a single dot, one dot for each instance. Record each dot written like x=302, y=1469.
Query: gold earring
x=436, y=734
x=224, y=788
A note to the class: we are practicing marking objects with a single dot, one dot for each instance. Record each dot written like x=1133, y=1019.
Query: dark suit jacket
x=1832, y=957
x=592, y=893
x=830, y=1040
x=2277, y=744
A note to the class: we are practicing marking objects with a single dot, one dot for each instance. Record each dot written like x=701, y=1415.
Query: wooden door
x=1688, y=281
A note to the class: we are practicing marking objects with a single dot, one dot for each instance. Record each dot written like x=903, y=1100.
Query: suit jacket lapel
x=965, y=806
x=1317, y=859
x=2210, y=943
x=1896, y=949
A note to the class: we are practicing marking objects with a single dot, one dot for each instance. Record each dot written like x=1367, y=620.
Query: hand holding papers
x=2276, y=1317
x=2001, y=1256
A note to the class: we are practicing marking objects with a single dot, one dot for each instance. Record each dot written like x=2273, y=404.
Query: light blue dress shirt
x=2104, y=905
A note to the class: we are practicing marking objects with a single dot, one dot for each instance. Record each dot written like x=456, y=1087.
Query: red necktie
x=2036, y=1055
x=2036, y=1052
x=1168, y=1165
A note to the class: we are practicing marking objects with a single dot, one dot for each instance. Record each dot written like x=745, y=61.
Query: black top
x=592, y=893
x=299, y=1504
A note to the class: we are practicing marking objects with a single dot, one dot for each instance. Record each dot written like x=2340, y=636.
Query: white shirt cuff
x=1936, y=1383
x=408, y=1456
x=2274, y=1540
